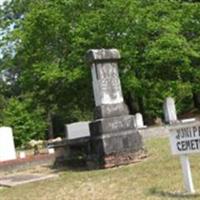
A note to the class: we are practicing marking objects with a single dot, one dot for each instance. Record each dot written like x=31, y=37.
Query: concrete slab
x=77, y=130
x=15, y=180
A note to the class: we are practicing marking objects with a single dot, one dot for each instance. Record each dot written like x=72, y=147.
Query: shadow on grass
x=167, y=194
x=71, y=164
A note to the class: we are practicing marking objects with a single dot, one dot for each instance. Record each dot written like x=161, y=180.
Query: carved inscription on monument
x=121, y=124
x=114, y=139
x=109, y=83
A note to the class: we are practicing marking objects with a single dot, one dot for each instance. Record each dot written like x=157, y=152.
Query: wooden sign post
x=184, y=140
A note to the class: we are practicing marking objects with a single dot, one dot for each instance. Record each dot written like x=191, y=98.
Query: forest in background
x=45, y=81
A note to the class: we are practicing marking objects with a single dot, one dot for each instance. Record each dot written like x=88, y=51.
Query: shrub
x=26, y=120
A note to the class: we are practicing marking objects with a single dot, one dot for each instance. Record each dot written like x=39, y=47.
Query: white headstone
x=170, y=110
x=77, y=130
x=7, y=147
x=139, y=120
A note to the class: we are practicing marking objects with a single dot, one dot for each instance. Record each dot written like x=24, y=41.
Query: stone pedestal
x=114, y=139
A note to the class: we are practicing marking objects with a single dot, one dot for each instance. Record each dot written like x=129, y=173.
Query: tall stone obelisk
x=114, y=139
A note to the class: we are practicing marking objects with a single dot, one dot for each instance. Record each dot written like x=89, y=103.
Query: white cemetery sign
x=185, y=138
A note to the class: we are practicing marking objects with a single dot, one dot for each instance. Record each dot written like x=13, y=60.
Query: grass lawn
x=158, y=177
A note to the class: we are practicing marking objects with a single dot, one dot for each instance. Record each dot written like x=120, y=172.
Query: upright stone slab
x=114, y=139
x=170, y=111
x=7, y=147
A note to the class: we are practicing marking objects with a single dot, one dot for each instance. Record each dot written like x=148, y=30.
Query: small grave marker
x=139, y=121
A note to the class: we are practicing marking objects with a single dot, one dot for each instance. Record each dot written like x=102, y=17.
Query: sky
x=1, y=1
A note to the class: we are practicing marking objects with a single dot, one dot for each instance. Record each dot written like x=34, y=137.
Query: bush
x=26, y=120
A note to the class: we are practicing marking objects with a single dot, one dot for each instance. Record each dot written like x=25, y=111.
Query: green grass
x=157, y=177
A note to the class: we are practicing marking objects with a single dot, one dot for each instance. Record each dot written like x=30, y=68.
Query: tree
x=158, y=41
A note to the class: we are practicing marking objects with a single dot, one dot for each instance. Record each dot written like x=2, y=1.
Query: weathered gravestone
x=114, y=139
x=7, y=147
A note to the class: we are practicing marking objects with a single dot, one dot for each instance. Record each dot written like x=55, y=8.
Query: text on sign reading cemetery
x=185, y=138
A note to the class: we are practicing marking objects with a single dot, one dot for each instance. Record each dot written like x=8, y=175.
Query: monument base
x=114, y=160
x=119, y=147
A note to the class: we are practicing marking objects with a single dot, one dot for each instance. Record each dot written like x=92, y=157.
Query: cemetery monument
x=114, y=138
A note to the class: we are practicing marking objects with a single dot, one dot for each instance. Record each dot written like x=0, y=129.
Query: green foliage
x=28, y=122
x=159, y=42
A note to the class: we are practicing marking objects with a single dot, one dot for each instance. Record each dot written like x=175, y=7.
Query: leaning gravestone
x=114, y=139
x=7, y=147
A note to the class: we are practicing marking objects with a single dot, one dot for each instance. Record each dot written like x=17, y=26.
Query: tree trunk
x=141, y=105
x=132, y=103
x=196, y=99
x=50, y=125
